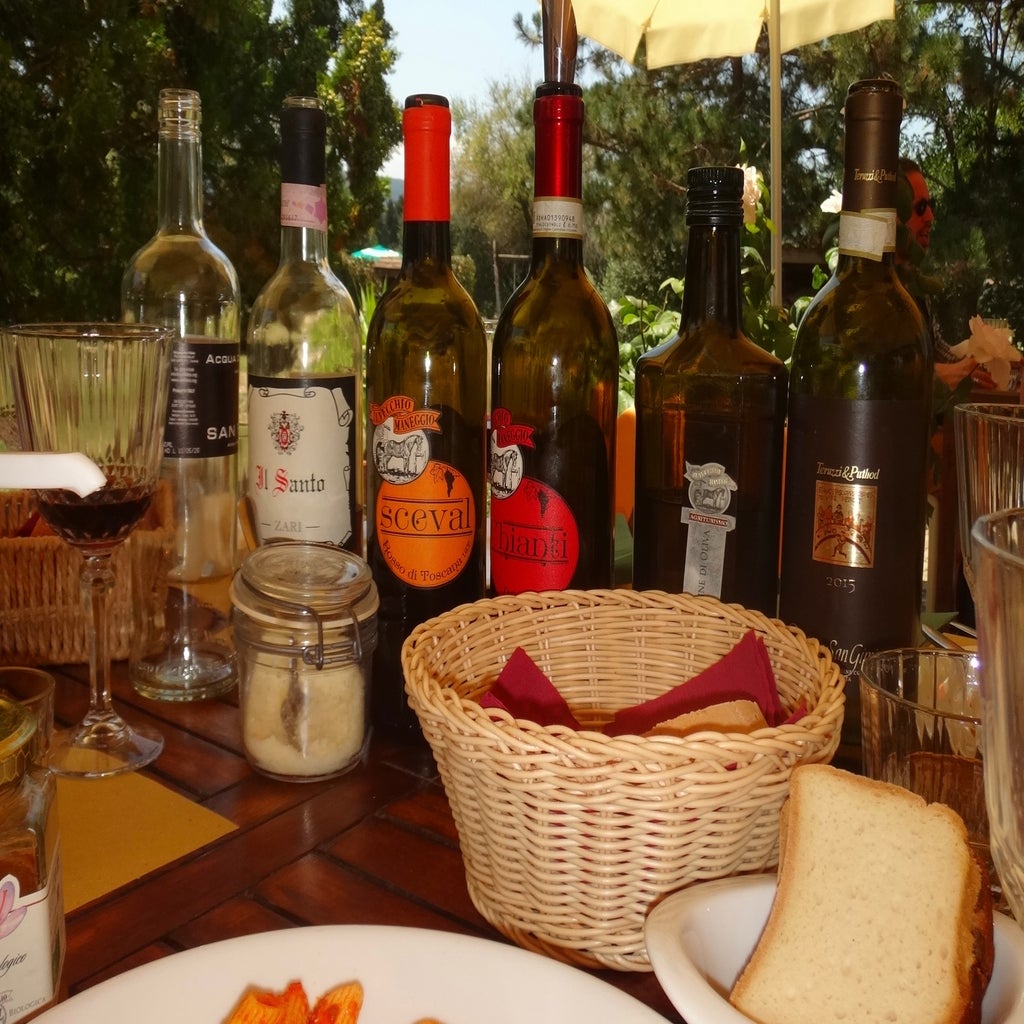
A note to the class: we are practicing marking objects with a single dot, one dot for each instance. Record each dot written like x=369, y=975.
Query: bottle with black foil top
x=710, y=419
x=426, y=389
x=554, y=386
x=304, y=353
x=859, y=417
x=181, y=640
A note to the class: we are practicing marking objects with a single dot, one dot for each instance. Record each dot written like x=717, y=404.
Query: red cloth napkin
x=524, y=691
x=745, y=673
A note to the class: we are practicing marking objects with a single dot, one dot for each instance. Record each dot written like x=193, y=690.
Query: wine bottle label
x=710, y=493
x=202, y=407
x=31, y=944
x=854, y=523
x=303, y=206
x=301, y=457
x=557, y=217
x=535, y=542
x=868, y=233
x=425, y=513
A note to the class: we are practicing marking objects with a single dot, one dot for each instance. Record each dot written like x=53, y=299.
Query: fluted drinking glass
x=99, y=389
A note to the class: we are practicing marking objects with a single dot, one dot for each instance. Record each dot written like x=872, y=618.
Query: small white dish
x=700, y=939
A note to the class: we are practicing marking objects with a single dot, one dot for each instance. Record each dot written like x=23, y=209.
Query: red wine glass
x=99, y=389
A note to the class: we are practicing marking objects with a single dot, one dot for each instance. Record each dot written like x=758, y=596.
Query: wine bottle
x=304, y=352
x=181, y=644
x=426, y=388
x=859, y=415
x=554, y=386
x=710, y=422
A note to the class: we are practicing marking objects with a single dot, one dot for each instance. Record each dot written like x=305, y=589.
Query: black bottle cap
x=425, y=99
x=714, y=195
x=872, y=113
x=303, y=141
x=558, y=89
x=874, y=99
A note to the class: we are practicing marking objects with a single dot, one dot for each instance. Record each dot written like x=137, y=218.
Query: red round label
x=535, y=543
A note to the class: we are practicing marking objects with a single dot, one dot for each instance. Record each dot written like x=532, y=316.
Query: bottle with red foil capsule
x=426, y=391
x=554, y=387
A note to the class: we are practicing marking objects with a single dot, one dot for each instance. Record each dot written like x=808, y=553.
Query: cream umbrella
x=681, y=31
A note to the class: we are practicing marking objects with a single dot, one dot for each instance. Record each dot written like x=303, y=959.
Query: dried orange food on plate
x=341, y=1005
x=260, y=1006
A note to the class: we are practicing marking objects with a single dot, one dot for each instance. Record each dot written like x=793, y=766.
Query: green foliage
x=492, y=190
x=960, y=67
x=644, y=325
x=78, y=92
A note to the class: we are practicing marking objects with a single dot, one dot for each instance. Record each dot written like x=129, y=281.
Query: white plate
x=699, y=940
x=406, y=973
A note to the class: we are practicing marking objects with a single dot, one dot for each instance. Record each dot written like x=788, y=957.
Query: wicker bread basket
x=42, y=618
x=570, y=837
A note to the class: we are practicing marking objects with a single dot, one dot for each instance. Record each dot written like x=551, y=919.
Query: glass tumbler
x=999, y=547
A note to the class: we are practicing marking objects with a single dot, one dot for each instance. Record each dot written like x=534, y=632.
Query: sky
x=455, y=48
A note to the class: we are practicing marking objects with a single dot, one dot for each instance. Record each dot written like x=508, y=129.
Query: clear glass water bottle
x=181, y=648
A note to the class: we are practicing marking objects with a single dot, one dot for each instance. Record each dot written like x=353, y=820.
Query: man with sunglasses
x=917, y=215
x=916, y=212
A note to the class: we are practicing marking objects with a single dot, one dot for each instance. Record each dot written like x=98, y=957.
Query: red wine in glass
x=102, y=518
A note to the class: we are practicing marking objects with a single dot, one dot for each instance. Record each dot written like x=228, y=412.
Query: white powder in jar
x=304, y=723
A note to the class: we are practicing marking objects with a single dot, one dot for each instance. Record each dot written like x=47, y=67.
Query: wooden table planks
x=376, y=846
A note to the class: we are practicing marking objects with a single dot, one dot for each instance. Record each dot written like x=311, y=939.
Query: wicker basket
x=569, y=837
x=42, y=619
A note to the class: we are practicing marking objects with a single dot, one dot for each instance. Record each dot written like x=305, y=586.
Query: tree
x=492, y=189
x=78, y=89
x=960, y=67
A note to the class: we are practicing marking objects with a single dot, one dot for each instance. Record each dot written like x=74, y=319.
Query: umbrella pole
x=775, y=132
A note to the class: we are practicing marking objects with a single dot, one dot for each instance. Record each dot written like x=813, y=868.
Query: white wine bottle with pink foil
x=304, y=364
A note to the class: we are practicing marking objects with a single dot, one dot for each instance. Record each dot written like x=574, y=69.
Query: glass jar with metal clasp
x=305, y=627
x=32, y=935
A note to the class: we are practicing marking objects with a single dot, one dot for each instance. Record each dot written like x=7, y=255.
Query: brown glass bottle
x=554, y=388
x=859, y=415
x=710, y=417
x=426, y=389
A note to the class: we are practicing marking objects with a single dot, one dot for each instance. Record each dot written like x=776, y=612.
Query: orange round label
x=425, y=528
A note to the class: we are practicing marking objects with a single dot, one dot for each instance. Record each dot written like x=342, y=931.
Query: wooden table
x=376, y=846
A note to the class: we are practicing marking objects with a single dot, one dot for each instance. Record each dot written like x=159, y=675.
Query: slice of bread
x=727, y=716
x=881, y=914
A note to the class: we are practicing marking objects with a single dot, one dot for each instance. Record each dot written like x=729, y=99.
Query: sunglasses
x=924, y=204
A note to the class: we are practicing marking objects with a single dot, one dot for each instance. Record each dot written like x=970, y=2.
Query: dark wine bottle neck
x=558, y=176
x=712, y=286
x=427, y=241
x=867, y=224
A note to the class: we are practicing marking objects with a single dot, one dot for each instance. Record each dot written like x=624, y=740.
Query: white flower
x=751, y=193
x=834, y=203
x=992, y=347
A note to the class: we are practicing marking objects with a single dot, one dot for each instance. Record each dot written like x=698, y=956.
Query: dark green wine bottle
x=554, y=371
x=859, y=414
x=426, y=392
x=710, y=418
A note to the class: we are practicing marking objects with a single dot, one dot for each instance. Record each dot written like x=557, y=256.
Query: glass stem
x=97, y=585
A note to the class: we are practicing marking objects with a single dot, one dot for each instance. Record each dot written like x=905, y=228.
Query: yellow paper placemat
x=117, y=829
